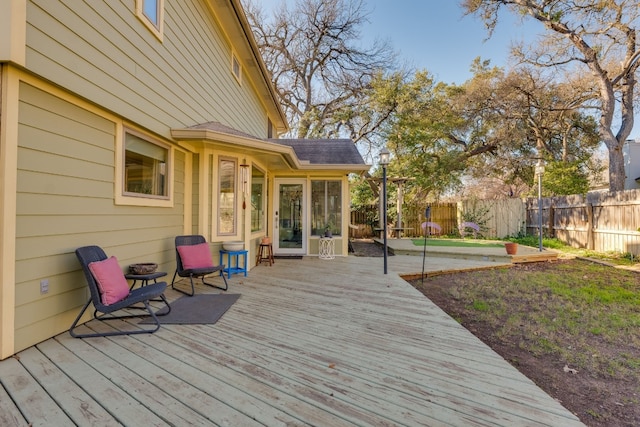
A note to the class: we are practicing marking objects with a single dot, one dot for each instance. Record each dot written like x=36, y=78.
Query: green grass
x=616, y=258
x=582, y=313
x=457, y=243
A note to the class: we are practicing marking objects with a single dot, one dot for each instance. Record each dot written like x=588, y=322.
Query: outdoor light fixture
x=384, y=161
x=539, y=172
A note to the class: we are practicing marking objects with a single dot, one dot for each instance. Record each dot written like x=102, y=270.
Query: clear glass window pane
x=151, y=11
x=227, y=199
x=257, y=200
x=145, y=167
x=326, y=203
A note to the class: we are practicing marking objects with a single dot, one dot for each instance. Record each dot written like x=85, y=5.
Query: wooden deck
x=309, y=342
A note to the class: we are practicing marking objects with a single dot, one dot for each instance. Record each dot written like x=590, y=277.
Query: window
x=235, y=67
x=326, y=201
x=146, y=167
x=151, y=13
x=227, y=196
x=257, y=200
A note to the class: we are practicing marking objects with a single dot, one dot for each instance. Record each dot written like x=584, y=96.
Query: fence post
x=552, y=228
x=590, y=237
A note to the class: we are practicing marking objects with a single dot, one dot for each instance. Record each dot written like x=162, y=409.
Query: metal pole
x=540, y=210
x=384, y=213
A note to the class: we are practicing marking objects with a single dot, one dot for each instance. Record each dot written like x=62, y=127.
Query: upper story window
x=146, y=167
x=227, y=172
x=151, y=13
x=236, y=69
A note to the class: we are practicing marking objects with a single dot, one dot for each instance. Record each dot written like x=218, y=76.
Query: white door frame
x=290, y=234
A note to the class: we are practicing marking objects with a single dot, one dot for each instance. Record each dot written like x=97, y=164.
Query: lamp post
x=539, y=172
x=384, y=161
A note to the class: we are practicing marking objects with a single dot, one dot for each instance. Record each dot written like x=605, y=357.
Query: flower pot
x=266, y=240
x=511, y=247
x=233, y=246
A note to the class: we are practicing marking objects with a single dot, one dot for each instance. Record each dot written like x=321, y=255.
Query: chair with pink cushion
x=193, y=259
x=110, y=293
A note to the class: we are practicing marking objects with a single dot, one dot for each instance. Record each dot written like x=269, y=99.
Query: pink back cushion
x=111, y=281
x=195, y=256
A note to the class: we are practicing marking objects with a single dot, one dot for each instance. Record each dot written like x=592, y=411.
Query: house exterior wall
x=342, y=240
x=90, y=69
x=65, y=199
x=104, y=53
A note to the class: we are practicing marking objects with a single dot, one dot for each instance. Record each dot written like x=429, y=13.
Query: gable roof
x=324, y=151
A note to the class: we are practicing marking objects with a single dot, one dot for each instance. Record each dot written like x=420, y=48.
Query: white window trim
x=157, y=30
x=237, y=194
x=122, y=198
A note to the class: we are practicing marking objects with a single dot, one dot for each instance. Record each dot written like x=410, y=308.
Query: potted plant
x=327, y=230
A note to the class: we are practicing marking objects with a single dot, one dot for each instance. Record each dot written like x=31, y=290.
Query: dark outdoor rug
x=198, y=309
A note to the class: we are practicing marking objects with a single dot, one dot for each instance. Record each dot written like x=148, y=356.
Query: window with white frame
x=146, y=167
x=326, y=203
x=151, y=13
x=227, y=189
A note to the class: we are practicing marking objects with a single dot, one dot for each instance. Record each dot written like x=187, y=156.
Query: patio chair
x=472, y=225
x=110, y=293
x=433, y=228
x=193, y=259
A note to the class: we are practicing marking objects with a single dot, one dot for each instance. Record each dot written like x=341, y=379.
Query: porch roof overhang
x=276, y=156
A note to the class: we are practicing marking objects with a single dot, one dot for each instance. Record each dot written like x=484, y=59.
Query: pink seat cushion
x=111, y=281
x=195, y=256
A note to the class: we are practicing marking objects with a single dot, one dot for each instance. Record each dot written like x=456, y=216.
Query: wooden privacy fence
x=364, y=220
x=497, y=218
x=601, y=221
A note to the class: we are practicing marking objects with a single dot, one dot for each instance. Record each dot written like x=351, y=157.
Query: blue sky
x=434, y=35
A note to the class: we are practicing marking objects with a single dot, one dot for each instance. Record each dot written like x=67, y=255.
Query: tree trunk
x=616, y=168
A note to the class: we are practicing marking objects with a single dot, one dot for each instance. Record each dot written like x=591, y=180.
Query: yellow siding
x=65, y=199
x=102, y=51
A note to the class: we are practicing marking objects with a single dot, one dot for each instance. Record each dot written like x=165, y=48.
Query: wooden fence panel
x=601, y=221
x=502, y=217
x=365, y=219
x=604, y=222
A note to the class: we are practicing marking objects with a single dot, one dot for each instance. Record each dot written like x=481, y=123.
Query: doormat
x=203, y=309
x=288, y=256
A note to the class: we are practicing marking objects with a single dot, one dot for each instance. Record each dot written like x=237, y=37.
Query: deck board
x=34, y=403
x=309, y=342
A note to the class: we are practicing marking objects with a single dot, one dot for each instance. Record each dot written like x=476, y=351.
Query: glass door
x=290, y=217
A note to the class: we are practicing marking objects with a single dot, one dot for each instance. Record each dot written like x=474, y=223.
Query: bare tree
x=601, y=35
x=322, y=74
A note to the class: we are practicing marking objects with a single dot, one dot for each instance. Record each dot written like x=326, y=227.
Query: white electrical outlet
x=44, y=286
